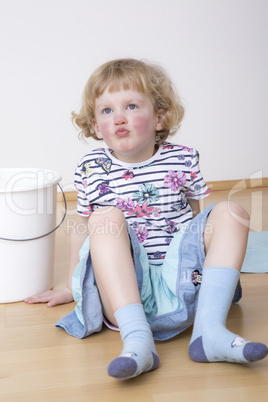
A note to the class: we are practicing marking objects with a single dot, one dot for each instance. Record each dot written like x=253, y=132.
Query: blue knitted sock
x=211, y=341
x=139, y=354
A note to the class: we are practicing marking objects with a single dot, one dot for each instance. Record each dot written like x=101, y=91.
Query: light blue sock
x=139, y=354
x=211, y=341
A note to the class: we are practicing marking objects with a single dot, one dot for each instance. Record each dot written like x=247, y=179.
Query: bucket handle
x=53, y=230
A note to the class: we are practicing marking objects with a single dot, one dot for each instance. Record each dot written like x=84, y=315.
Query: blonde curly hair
x=136, y=75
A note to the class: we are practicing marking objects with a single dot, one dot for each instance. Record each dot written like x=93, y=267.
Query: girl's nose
x=120, y=118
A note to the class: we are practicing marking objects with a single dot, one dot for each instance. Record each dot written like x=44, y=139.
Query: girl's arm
x=61, y=296
x=195, y=205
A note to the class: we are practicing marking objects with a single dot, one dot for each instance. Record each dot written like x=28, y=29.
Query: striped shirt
x=152, y=194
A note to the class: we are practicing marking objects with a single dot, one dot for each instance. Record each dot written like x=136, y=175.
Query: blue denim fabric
x=187, y=253
x=91, y=306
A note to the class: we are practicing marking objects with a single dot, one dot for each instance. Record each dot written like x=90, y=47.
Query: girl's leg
x=117, y=284
x=225, y=240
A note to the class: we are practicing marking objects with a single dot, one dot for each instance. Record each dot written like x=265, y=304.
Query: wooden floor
x=41, y=363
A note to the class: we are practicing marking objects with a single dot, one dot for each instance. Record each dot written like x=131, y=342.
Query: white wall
x=215, y=50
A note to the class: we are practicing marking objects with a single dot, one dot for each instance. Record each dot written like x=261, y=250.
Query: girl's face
x=127, y=122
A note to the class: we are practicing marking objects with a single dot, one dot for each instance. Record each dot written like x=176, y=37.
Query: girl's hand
x=52, y=297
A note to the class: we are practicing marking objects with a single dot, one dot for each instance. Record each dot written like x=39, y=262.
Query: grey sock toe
x=122, y=367
x=255, y=351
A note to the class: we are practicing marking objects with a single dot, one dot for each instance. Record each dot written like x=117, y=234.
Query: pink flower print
x=88, y=212
x=128, y=174
x=142, y=233
x=125, y=204
x=84, y=182
x=193, y=175
x=174, y=180
x=168, y=146
x=143, y=210
x=187, y=149
x=156, y=212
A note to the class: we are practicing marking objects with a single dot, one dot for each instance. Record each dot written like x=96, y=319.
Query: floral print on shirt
x=153, y=197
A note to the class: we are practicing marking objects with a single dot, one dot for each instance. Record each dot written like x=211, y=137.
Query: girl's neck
x=136, y=160
x=128, y=163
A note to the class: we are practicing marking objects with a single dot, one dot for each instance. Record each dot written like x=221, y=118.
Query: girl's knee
x=228, y=212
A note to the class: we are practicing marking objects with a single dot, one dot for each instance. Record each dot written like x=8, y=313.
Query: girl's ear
x=96, y=129
x=160, y=119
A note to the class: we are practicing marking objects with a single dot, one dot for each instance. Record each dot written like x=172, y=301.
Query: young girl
x=150, y=247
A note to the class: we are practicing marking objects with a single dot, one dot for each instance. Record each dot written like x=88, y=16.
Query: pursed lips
x=121, y=132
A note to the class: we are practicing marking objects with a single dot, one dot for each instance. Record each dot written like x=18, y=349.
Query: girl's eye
x=107, y=110
x=132, y=107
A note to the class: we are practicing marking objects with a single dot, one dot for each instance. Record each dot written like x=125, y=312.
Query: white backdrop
x=215, y=51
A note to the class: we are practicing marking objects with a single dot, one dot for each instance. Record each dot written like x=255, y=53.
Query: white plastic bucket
x=27, y=213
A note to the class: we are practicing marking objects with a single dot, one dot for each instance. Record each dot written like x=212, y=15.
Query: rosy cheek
x=104, y=128
x=140, y=123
